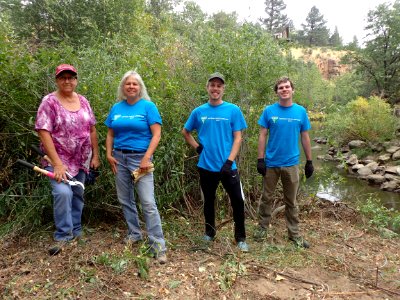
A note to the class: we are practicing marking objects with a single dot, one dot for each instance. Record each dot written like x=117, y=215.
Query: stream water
x=333, y=184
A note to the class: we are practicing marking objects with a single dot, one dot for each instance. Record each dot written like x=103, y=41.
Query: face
x=66, y=82
x=131, y=88
x=285, y=91
x=215, y=89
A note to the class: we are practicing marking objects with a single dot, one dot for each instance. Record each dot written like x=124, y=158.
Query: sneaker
x=300, y=242
x=260, y=234
x=243, y=246
x=162, y=258
x=57, y=247
x=207, y=238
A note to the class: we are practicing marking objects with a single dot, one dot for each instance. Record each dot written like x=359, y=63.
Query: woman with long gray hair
x=134, y=131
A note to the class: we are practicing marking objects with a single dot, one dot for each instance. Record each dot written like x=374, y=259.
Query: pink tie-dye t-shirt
x=70, y=131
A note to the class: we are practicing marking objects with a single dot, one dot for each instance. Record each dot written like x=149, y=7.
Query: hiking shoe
x=243, y=246
x=260, y=234
x=300, y=242
x=162, y=258
x=207, y=238
x=57, y=248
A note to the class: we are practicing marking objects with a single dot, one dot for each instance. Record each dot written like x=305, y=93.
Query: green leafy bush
x=370, y=120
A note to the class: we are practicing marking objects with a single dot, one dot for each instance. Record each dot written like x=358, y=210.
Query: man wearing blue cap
x=219, y=126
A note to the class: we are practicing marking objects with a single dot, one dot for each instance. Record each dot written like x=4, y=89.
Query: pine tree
x=275, y=19
x=315, y=31
x=336, y=40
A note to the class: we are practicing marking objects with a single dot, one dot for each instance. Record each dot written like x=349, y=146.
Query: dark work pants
x=209, y=182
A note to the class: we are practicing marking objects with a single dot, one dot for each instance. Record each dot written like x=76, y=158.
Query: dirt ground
x=346, y=261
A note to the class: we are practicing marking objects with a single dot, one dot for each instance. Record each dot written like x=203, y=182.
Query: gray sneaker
x=243, y=246
x=162, y=258
x=260, y=234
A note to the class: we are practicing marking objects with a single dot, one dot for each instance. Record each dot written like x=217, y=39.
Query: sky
x=350, y=16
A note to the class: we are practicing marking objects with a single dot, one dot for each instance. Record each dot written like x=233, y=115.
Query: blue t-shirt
x=215, y=126
x=284, y=125
x=131, y=124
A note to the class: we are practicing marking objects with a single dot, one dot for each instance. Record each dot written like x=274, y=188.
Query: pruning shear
x=47, y=158
x=71, y=182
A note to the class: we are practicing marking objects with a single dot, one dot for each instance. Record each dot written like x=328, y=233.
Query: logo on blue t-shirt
x=203, y=119
x=274, y=119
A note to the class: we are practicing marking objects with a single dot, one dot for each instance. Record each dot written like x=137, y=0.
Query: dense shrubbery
x=174, y=53
x=370, y=120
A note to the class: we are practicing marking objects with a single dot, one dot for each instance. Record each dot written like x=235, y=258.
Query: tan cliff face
x=327, y=61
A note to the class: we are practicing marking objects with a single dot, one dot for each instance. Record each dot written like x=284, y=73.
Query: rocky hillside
x=327, y=60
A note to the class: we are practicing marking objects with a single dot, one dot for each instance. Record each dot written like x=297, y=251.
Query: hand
x=261, y=167
x=227, y=167
x=113, y=163
x=59, y=173
x=199, y=148
x=308, y=169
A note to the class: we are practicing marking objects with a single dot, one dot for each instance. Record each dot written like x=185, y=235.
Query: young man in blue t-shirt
x=219, y=126
x=285, y=122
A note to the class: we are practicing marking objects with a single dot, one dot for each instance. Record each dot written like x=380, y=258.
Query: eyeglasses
x=65, y=78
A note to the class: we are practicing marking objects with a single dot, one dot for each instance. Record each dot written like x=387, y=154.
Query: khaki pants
x=289, y=177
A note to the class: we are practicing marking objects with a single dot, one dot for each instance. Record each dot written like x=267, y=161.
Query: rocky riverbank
x=380, y=168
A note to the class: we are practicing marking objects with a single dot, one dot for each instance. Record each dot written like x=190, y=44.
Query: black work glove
x=227, y=167
x=91, y=177
x=261, y=167
x=199, y=148
x=308, y=169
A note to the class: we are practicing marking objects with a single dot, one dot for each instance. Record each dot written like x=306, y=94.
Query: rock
x=373, y=166
x=376, y=147
x=345, y=149
x=393, y=170
x=356, y=144
x=356, y=167
x=392, y=149
x=352, y=160
x=396, y=155
x=390, y=186
x=374, y=178
x=385, y=157
x=390, y=177
x=364, y=171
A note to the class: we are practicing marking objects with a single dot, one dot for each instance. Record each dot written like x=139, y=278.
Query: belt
x=128, y=151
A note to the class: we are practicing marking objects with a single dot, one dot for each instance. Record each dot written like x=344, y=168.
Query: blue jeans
x=145, y=190
x=67, y=208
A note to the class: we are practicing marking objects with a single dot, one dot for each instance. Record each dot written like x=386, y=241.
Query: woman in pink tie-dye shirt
x=66, y=126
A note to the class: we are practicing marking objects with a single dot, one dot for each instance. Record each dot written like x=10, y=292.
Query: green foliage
x=378, y=215
x=379, y=61
x=370, y=120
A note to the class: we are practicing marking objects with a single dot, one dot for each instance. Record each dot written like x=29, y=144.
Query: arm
x=189, y=138
x=59, y=168
x=95, y=162
x=262, y=140
x=156, y=132
x=109, y=147
x=306, y=143
x=237, y=140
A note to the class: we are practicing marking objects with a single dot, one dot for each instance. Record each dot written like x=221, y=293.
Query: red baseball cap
x=65, y=67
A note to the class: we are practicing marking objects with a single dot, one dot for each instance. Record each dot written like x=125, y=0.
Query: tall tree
x=379, y=61
x=315, y=31
x=275, y=19
x=335, y=39
x=353, y=45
